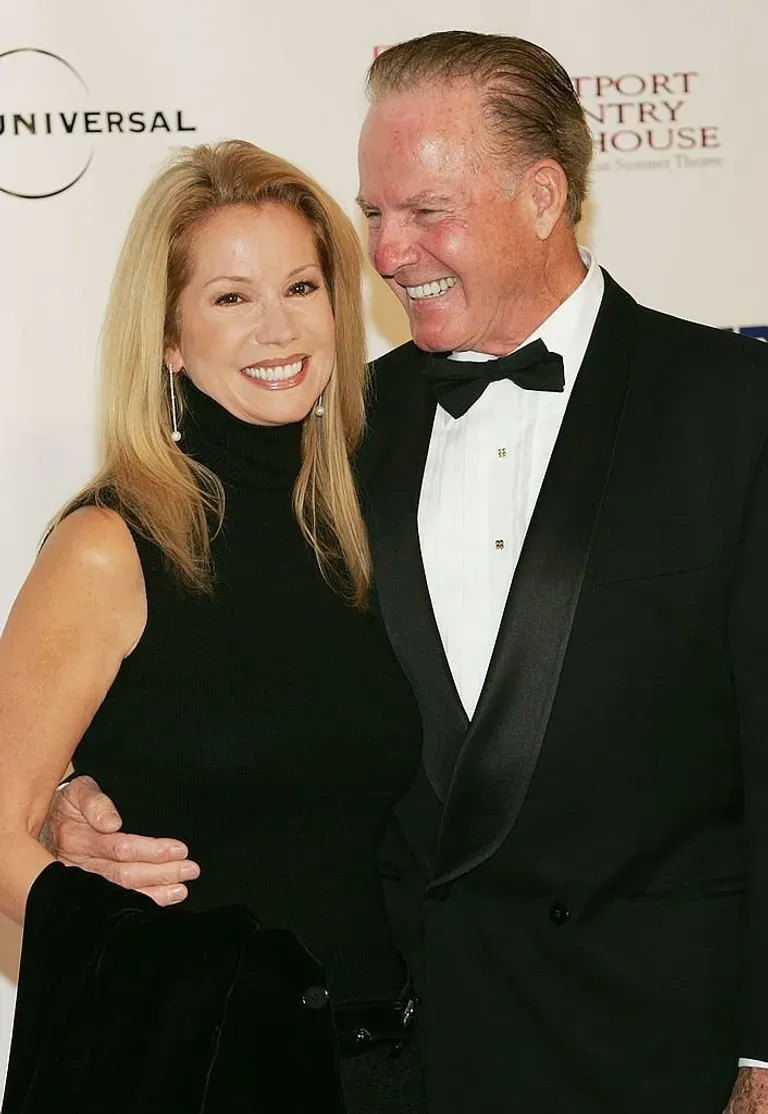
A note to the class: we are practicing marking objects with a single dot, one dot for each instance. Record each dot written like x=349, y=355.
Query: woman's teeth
x=274, y=374
x=431, y=289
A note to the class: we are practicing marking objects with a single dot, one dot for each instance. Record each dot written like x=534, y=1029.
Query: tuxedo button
x=559, y=913
x=315, y=998
x=439, y=893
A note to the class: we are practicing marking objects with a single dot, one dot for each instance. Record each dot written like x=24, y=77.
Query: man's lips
x=278, y=375
x=429, y=291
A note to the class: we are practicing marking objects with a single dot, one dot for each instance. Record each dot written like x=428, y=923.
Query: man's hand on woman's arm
x=83, y=829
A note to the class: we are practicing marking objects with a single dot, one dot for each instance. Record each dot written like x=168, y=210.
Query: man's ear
x=549, y=194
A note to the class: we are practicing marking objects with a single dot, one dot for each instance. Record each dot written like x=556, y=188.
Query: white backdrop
x=95, y=94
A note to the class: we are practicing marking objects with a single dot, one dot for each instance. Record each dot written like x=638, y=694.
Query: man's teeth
x=431, y=289
x=274, y=374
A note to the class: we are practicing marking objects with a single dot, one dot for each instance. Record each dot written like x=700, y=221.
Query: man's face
x=444, y=228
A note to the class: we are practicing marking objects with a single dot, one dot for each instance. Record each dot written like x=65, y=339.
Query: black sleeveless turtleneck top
x=268, y=726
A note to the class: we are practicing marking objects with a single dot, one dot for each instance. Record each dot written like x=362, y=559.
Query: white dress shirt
x=481, y=482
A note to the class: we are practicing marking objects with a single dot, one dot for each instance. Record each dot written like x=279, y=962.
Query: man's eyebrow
x=426, y=197
x=415, y=202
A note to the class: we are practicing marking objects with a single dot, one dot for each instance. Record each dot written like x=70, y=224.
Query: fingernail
x=177, y=851
x=189, y=870
x=177, y=894
x=110, y=820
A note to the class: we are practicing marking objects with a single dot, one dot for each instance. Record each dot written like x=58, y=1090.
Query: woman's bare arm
x=81, y=610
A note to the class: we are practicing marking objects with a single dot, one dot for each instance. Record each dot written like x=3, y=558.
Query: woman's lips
x=274, y=376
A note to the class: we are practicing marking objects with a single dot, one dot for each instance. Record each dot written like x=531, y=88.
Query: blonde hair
x=162, y=493
x=531, y=107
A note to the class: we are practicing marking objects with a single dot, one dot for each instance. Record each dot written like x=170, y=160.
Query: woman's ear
x=174, y=361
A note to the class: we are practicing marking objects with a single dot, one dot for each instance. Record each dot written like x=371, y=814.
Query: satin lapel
x=393, y=488
x=501, y=748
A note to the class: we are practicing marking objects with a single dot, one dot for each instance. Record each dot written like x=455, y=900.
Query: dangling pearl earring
x=176, y=434
x=319, y=408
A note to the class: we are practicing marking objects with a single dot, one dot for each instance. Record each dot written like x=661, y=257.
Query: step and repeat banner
x=93, y=96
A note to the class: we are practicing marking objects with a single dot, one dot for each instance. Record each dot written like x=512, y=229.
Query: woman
x=193, y=633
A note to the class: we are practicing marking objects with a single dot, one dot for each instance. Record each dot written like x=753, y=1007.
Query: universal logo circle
x=28, y=168
x=49, y=128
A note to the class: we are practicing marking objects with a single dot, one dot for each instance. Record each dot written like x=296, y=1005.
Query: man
x=571, y=557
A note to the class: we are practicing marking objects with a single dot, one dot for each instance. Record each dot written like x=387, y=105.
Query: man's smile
x=434, y=289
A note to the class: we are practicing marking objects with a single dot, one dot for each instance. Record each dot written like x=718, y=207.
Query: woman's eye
x=230, y=299
x=301, y=289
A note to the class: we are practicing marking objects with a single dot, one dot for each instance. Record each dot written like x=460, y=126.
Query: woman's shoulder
x=86, y=585
x=97, y=539
x=90, y=556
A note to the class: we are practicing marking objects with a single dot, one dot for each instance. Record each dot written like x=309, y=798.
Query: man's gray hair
x=530, y=105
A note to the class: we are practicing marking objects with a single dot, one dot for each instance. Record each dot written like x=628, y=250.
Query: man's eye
x=303, y=288
x=230, y=299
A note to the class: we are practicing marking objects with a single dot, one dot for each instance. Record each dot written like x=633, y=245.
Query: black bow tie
x=458, y=384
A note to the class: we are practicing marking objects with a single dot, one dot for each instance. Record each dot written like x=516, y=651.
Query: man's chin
x=433, y=340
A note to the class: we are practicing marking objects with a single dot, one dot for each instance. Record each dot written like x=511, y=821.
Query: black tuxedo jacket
x=579, y=876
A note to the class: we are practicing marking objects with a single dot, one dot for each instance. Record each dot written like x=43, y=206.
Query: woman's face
x=255, y=318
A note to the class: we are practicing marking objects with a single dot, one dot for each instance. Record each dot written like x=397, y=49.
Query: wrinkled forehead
x=432, y=133
x=451, y=111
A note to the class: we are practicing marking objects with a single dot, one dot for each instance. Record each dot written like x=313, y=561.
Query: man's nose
x=276, y=325
x=391, y=248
